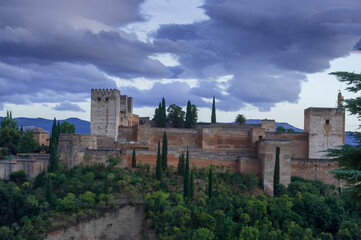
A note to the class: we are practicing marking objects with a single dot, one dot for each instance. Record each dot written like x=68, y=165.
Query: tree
x=175, y=115
x=66, y=127
x=163, y=114
x=158, y=170
x=134, y=161
x=9, y=122
x=164, y=152
x=157, y=115
x=181, y=164
x=18, y=177
x=210, y=182
x=276, y=174
x=27, y=143
x=186, y=190
x=240, y=118
x=191, y=187
x=213, y=117
x=191, y=115
x=347, y=156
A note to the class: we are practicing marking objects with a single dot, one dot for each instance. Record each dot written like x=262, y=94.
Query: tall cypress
x=186, y=190
x=181, y=164
x=163, y=114
x=210, y=182
x=134, y=161
x=53, y=148
x=276, y=174
x=213, y=117
x=189, y=115
x=191, y=187
x=158, y=170
x=164, y=152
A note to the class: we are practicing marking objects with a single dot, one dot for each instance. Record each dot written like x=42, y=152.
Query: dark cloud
x=52, y=49
x=68, y=106
x=268, y=46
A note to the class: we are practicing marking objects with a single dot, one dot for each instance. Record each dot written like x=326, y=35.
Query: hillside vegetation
x=237, y=208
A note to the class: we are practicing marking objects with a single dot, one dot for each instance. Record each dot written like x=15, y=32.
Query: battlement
x=104, y=92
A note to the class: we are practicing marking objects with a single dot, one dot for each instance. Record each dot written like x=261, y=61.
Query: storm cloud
x=56, y=51
x=268, y=46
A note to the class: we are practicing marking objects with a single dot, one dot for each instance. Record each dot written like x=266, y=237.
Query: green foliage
x=18, y=177
x=276, y=174
x=66, y=127
x=210, y=182
x=9, y=122
x=213, y=117
x=157, y=115
x=159, y=171
x=240, y=118
x=27, y=143
x=191, y=115
x=282, y=129
x=163, y=114
x=175, y=115
x=134, y=161
x=164, y=152
x=186, y=178
x=181, y=164
x=348, y=157
x=191, y=186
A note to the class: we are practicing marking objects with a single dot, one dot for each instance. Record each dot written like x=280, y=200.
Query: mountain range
x=83, y=127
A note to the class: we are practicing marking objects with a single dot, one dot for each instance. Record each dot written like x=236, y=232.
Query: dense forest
x=235, y=208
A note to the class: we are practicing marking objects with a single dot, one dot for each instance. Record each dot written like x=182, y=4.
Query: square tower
x=104, y=114
x=325, y=128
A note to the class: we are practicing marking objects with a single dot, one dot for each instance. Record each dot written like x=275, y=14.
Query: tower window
x=327, y=121
x=106, y=99
x=99, y=99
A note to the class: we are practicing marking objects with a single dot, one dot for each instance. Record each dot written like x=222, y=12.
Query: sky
x=259, y=58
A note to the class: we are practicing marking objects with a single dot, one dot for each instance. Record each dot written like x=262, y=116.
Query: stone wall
x=269, y=125
x=71, y=148
x=315, y=169
x=299, y=142
x=92, y=156
x=33, y=165
x=126, y=222
x=267, y=155
x=326, y=129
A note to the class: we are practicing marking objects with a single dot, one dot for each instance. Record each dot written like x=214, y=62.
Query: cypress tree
x=163, y=114
x=58, y=132
x=49, y=194
x=157, y=115
x=276, y=174
x=158, y=170
x=53, y=148
x=186, y=190
x=213, y=117
x=181, y=164
x=134, y=161
x=164, y=152
x=189, y=115
x=191, y=188
x=210, y=182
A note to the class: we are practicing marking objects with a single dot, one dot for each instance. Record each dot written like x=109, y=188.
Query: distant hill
x=81, y=126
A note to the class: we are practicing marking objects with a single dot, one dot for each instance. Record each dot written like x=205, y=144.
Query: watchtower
x=326, y=129
x=104, y=116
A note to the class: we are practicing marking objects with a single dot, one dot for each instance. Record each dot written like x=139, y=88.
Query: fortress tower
x=105, y=109
x=326, y=129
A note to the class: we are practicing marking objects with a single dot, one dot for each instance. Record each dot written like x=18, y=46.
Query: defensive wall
x=32, y=163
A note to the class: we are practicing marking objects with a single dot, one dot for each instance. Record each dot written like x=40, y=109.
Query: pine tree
x=276, y=174
x=164, y=152
x=134, y=161
x=189, y=115
x=163, y=114
x=158, y=170
x=186, y=190
x=213, y=117
x=191, y=188
x=210, y=183
x=181, y=164
x=348, y=156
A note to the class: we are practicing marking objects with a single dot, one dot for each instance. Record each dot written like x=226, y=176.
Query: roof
x=39, y=130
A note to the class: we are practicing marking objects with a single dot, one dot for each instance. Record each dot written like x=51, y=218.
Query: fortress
x=116, y=131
